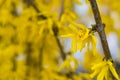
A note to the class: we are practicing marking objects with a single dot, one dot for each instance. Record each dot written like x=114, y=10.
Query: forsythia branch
x=32, y=3
x=100, y=29
x=55, y=30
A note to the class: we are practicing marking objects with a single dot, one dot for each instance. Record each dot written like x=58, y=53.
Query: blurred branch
x=40, y=63
x=55, y=28
x=32, y=3
x=14, y=61
x=28, y=56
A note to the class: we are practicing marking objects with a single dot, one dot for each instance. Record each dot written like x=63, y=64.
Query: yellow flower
x=103, y=69
x=90, y=58
x=80, y=36
x=69, y=64
x=78, y=2
x=46, y=25
x=68, y=16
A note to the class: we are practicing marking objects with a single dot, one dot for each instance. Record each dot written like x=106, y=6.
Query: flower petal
x=112, y=69
x=74, y=45
x=67, y=36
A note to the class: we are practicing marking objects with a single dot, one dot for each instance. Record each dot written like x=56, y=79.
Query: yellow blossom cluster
x=32, y=34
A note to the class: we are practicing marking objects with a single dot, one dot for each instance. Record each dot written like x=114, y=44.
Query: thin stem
x=28, y=56
x=40, y=64
x=14, y=61
x=55, y=30
x=100, y=29
x=28, y=51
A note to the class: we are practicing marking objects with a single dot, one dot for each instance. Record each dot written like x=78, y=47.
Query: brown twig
x=55, y=30
x=100, y=29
